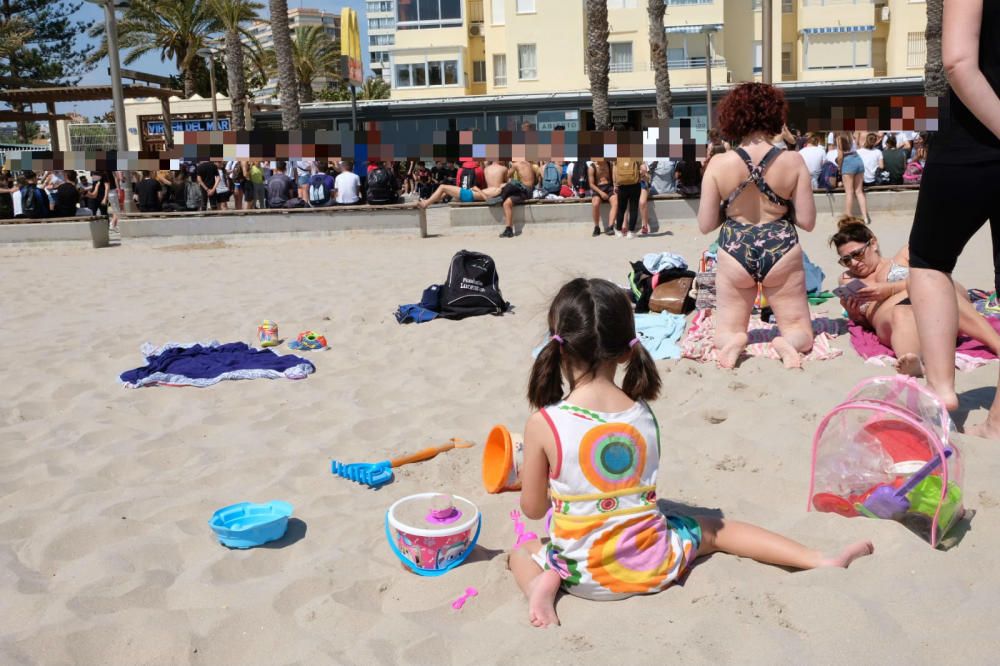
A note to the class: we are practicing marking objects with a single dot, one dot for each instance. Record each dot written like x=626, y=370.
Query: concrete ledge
x=49, y=229
x=663, y=208
x=268, y=221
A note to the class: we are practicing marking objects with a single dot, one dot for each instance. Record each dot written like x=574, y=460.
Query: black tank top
x=962, y=139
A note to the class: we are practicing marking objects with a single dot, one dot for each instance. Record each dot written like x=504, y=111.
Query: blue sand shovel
x=376, y=475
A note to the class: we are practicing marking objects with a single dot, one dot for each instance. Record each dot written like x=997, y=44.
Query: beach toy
x=468, y=594
x=886, y=444
x=308, y=340
x=246, y=524
x=889, y=502
x=267, y=333
x=424, y=545
x=376, y=475
x=519, y=529
x=502, y=458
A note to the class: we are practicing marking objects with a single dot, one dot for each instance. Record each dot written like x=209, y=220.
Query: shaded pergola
x=50, y=95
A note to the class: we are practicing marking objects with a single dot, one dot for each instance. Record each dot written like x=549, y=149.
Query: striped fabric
x=839, y=28
x=699, y=341
x=693, y=29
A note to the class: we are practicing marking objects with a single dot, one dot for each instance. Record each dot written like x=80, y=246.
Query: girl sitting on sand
x=883, y=305
x=593, y=457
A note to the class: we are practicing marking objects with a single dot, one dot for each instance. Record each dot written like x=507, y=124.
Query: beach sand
x=105, y=552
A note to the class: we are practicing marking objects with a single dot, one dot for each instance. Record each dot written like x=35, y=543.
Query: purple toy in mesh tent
x=884, y=452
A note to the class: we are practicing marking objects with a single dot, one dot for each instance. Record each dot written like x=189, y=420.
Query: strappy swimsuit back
x=758, y=247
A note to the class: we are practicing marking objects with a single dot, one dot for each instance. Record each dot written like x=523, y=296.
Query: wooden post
x=53, y=128
x=168, y=130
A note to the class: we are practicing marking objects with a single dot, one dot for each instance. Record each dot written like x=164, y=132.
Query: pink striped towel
x=699, y=341
x=969, y=354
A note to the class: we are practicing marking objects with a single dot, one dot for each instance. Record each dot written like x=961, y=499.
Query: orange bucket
x=502, y=458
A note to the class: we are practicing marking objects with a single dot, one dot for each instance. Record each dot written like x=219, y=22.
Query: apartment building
x=449, y=48
x=297, y=18
x=381, y=15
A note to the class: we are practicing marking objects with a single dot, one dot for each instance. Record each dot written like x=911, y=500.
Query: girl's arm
x=708, y=208
x=538, y=440
x=902, y=257
x=960, y=35
x=805, y=204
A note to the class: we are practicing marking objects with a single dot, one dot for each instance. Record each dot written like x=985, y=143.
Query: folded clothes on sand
x=969, y=354
x=659, y=333
x=699, y=341
x=207, y=363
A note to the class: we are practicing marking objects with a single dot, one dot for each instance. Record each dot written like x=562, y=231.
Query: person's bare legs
x=785, y=290
x=539, y=585
x=735, y=293
x=935, y=309
x=440, y=193
x=508, y=213
x=902, y=337
x=859, y=191
x=745, y=540
x=488, y=192
x=644, y=210
x=849, y=190
x=595, y=210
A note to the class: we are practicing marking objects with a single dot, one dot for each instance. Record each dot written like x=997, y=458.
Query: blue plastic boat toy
x=246, y=524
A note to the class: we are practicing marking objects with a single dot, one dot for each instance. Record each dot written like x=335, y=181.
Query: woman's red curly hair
x=752, y=107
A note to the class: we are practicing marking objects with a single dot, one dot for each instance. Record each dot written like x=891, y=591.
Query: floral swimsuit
x=758, y=247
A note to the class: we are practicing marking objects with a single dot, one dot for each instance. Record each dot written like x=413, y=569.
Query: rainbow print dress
x=608, y=538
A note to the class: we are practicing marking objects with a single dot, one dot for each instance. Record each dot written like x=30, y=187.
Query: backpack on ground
x=318, y=194
x=193, y=196
x=29, y=202
x=551, y=182
x=467, y=178
x=472, y=287
x=626, y=171
x=828, y=175
x=380, y=187
x=914, y=172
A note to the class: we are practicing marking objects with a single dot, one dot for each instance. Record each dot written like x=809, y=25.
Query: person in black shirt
x=208, y=176
x=149, y=194
x=67, y=196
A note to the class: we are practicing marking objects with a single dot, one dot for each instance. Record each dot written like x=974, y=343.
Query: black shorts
x=955, y=201
x=516, y=192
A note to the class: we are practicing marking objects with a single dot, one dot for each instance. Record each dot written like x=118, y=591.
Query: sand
x=105, y=552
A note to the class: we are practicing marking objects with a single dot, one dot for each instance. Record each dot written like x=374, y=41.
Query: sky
x=151, y=64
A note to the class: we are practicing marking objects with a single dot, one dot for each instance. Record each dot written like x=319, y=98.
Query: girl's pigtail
x=642, y=379
x=545, y=385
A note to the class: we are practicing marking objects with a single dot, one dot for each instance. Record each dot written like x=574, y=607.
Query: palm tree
x=291, y=118
x=315, y=56
x=598, y=60
x=935, y=82
x=658, y=52
x=233, y=14
x=177, y=29
x=375, y=88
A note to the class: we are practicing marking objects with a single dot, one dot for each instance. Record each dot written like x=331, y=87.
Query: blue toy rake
x=376, y=475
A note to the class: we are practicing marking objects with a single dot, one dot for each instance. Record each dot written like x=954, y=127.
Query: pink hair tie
x=633, y=342
x=558, y=339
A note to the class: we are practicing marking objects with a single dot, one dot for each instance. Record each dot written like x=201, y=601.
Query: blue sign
x=154, y=127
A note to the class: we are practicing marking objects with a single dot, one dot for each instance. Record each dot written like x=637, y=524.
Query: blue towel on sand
x=659, y=333
x=205, y=364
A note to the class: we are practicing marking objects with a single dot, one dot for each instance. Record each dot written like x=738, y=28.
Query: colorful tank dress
x=609, y=539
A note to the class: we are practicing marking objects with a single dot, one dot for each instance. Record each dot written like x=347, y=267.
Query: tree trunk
x=658, y=53
x=190, y=85
x=935, y=81
x=598, y=60
x=236, y=77
x=291, y=118
x=306, y=93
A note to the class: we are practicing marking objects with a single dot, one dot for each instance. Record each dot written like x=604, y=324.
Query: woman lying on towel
x=878, y=299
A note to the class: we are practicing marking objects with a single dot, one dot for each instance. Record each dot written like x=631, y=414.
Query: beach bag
x=379, y=187
x=193, y=198
x=580, y=180
x=671, y=296
x=472, y=287
x=884, y=452
x=828, y=175
x=318, y=194
x=551, y=182
x=29, y=202
x=914, y=172
x=467, y=178
x=662, y=176
x=626, y=171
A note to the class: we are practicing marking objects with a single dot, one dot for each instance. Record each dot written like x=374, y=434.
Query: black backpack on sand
x=380, y=190
x=472, y=287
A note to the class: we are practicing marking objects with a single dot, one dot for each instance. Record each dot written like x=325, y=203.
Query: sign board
x=548, y=120
x=154, y=127
x=351, y=65
x=619, y=116
x=161, y=81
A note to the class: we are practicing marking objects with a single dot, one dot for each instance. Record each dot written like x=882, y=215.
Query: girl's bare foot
x=909, y=364
x=848, y=555
x=790, y=357
x=542, y=599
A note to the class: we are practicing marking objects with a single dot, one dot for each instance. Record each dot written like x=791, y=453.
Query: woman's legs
x=745, y=540
x=785, y=289
x=859, y=192
x=735, y=294
x=899, y=331
x=849, y=192
x=644, y=210
x=539, y=585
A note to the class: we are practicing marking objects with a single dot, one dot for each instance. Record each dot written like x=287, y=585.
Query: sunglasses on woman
x=847, y=259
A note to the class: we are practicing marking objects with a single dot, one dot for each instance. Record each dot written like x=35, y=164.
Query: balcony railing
x=824, y=3
x=475, y=11
x=692, y=63
x=691, y=2
x=685, y=63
